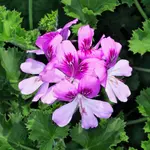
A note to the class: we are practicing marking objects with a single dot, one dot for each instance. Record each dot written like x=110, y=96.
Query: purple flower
x=79, y=95
x=85, y=37
x=30, y=85
x=69, y=63
x=110, y=50
x=115, y=87
x=49, y=41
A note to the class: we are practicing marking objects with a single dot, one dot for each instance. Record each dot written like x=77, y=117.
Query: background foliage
x=28, y=126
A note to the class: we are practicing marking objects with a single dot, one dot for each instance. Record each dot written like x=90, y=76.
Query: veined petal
x=111, y=50
x=67, y=58
x=32, y=66
x=92, y=53
x=121, y=91
x=51, y=74
x=121, y=68
x=30, y=85
x=85, y=36
x=89, y=86
x=99, y=108
x=50, y=49
x=88, y=120
x=49, y=96
x=65, y=90
x=37, y=52
x=110, y=93
x=63, y=115
x=45, y=39
x=92, y=67
x=41, y=92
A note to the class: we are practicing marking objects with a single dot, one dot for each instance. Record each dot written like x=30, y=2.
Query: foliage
x=139, y=42
x=25, y=125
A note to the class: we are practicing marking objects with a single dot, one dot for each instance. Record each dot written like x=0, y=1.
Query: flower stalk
x=140, y=9
x=30, y=15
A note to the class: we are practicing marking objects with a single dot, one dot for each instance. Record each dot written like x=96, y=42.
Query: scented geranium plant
x=74, y=75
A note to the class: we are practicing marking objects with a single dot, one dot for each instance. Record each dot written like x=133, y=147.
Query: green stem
x=22, y=146
x=140, y=9
x=25, y=147
x=142, y=69
x=30, y=15
x=136, y=121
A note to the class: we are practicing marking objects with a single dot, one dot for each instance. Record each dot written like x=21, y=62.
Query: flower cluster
x=77, y=75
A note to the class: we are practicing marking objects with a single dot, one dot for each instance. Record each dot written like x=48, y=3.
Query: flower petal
x=49, y=97
x=65, y=32
x=30, y=85
x=99, y=108
x=32, y=66
x=110, y=93
x=121, y=91
x=67, y=58
x=89, y=86
x=90, y=54
x=121, y=68
x=88, y=120
x=111, y=50
x=63, y=115
x=41, y=92
x=85, y=36
x=64, y=90
x=92, y=67
x=45, y=39
x=50, y=49
x=51, y=74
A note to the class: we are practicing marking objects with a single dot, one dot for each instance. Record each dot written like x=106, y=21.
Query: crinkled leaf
x=44, y=131
x=10, y=60
x=128, y=2
x=49, y=22
x=140, y=40
x=102, y=137
x=12, y=134
x=11, y=31
x=146, y=144
x=144, y=102
x=86, y=10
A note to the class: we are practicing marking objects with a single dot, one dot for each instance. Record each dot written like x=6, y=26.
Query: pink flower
x=79, y=96
x=85, y=37
x=110, y=50
x=114, y=87
x=30, y=85
x=49, y=41
x=69, y=63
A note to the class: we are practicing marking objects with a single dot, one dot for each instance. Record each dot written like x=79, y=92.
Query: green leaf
x=49, y=22
x=128, y=2
x=44, y=131
x=13, y=135
x=144, y=102
x=146, y=144
x=140, y=41
x=10, y=60
x=102, y=137
x=86, y=10
x=11, y=31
